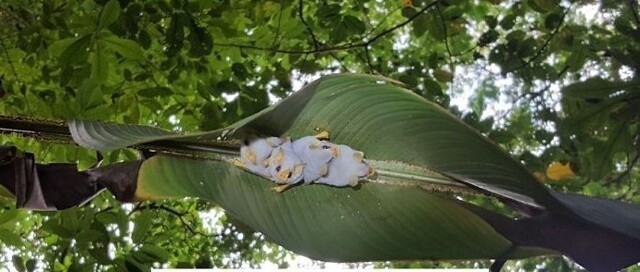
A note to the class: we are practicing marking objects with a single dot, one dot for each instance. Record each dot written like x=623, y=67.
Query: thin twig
x=103, y=210
x=313, y=36
x=275, y=39
x=316, y=44
x=382, y=21
x=13, y=68
x=467, y=51
x=304, y=65
x=288, y=51
x=531, y=95
x=630, y=165
x=446, y=38
x=409, y=20
x=151, y=74
x=546, y=43
x=138, y=207
x=15, y=73
x=180, y=216
x=335, y=57
x=632, y=6
x=366, y=52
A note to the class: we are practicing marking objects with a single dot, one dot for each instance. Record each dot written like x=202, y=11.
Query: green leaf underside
x=373, y=222
x=386, y=122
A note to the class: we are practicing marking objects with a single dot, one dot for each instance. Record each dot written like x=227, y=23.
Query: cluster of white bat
x=310, y=159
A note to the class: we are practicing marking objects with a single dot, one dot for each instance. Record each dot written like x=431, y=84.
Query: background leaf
x=597, y=87
x=142, y=226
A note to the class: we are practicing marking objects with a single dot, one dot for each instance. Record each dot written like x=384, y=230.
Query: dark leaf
x=174, y=36
x=596, y=87
x=508, y=21
x=127, y=48
x=109, y=14
x=76, y=52
x=144, y=39
x=200, y=40
x=18, y=263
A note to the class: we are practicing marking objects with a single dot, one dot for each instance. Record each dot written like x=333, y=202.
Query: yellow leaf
x=558, y=171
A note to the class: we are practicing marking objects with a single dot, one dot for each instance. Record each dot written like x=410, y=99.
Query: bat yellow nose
x=251, y=157
x=283, y=175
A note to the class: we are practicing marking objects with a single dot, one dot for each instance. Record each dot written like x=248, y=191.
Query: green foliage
x=171, y=64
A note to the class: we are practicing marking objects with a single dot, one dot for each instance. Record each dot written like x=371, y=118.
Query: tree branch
x=446, y=35
x=409, y=20
x=331, y=49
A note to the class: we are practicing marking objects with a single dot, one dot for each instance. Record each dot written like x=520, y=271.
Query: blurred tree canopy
x=553, y=82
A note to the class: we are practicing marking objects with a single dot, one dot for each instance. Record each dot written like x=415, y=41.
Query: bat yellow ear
x=358, y=155
x=353, y=181
x=324, y=135
x=238, y=163
x=297, y=170
x=281, y=188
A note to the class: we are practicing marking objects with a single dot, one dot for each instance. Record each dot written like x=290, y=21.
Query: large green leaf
x=406, y=138
x=418, y=148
